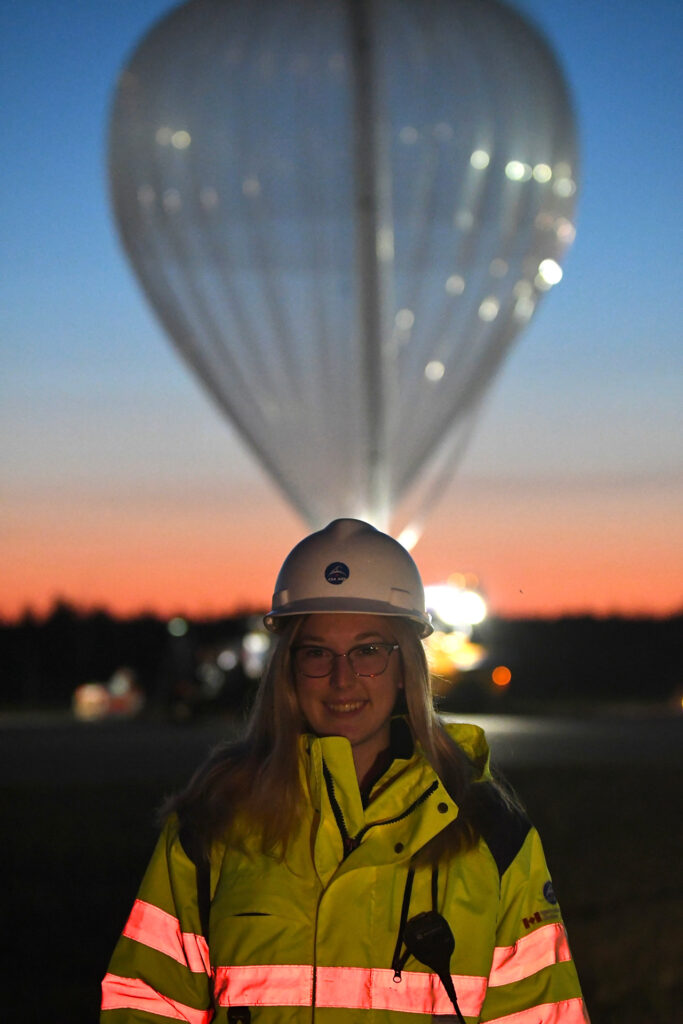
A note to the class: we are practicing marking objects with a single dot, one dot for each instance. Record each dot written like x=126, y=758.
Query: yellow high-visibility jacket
x=314, y=936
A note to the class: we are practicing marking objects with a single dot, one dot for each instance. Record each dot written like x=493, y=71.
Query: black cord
x=398, y=961
x=428, y=937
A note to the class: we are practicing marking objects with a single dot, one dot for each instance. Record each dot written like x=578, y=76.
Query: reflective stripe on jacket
x=312, y=936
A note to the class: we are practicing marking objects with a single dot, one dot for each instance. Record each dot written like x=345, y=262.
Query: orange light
x=501, y=675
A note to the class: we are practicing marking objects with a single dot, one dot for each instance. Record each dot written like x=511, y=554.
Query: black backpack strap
x=503, y=826
x=192, y=846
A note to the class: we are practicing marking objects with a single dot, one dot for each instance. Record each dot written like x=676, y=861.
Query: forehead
x=336, y=627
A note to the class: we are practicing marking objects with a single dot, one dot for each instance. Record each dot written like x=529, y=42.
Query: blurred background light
x=177, y=626
x=501, y=675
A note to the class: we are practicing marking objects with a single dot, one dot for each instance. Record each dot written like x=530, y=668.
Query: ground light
x=455, y=607
x=501, y=676
x=255, y=648
x=120, y=697
x=177, y=626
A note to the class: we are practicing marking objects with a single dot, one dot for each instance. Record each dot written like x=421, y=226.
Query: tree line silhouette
x=43, y=660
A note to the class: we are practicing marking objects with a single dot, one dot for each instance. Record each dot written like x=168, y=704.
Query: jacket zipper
x=350, y=842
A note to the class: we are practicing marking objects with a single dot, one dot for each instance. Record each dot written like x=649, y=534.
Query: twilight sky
x=123, y=486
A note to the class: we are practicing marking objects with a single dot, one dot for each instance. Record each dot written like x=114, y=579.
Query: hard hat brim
x=347, y=606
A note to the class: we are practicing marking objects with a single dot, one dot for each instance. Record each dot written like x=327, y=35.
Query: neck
x=369, y=773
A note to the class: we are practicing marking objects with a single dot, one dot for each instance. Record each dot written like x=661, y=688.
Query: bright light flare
x=409, y=537
x=469, y=656
x=550, y=271
x=489, y=309
x=256, y=643
x=542, y=173
x=516, y=170
x=452, y=652
x=480, y=159
x=454, y=606
x=181, y=139
x=434, y=370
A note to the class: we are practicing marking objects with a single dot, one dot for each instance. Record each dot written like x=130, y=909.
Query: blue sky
x=96, y=410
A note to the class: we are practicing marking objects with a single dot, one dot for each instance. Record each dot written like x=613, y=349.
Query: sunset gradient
x=123, y=487
x=536, y=550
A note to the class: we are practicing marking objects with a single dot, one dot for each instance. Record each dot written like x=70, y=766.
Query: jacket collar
x=409, y=806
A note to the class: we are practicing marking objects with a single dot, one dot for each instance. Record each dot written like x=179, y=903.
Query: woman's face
x=341, y=703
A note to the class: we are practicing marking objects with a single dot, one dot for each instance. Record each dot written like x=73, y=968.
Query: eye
x=313, y=653
x=367, y=650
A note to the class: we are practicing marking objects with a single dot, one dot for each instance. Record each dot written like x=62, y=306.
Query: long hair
x=261, y=768
x=259, y=774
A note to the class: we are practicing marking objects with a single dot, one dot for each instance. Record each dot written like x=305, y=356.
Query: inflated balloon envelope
x=343, y=213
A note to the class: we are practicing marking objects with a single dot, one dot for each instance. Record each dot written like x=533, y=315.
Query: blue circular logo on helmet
x=549, y=892
x=336, y=573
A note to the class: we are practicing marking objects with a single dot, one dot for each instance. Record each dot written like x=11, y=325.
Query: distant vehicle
x=121, y=697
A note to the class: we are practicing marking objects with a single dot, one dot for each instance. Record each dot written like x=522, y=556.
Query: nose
x=342, y=674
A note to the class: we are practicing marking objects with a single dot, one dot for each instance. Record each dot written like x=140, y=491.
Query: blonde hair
x=261, y=771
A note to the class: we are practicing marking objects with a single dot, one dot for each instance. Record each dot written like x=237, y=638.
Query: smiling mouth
x=346, y=707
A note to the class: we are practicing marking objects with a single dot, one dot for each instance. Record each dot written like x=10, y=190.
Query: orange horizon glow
x=536, y=555
x=210, y=580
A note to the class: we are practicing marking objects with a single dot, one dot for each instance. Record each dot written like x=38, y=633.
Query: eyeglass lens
x=365, y=660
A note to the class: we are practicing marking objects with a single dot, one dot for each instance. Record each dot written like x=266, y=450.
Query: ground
x=78, y=843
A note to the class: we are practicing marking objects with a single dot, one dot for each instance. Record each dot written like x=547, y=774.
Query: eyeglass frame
x=384, y=644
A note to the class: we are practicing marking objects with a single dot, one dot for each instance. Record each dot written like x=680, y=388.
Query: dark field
x=78, y=831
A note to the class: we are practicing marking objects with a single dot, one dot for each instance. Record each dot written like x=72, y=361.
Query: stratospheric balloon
x=343, y=213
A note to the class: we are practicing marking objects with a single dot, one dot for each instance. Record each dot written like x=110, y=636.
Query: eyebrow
x=372, y=635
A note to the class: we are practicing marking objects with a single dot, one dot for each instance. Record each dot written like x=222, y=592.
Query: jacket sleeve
x=160, y=966
x=533, y=979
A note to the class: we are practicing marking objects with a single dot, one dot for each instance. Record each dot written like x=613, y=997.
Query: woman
x=351, y=860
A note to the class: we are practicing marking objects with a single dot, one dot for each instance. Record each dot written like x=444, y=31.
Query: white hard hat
x=349, y=566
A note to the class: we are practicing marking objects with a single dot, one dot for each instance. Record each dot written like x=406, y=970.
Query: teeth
x=350, y=706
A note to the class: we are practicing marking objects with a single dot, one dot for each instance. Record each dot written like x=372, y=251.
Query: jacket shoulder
x=472, y=741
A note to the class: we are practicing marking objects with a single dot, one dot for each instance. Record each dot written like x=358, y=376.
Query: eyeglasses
x=364, y=659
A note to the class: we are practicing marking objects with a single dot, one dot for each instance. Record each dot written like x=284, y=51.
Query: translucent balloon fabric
x=343, y=213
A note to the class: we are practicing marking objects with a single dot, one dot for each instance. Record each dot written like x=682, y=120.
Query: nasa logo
x=336, y=573
x=549, y=892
